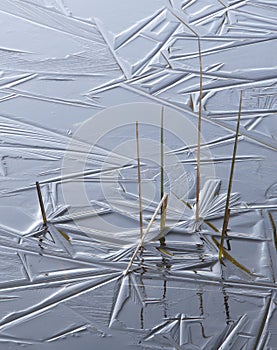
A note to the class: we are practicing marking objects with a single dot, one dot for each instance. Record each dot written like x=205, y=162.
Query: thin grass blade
x=199, y=136
x=41, y=204
x=139, y=182
x=227, y=210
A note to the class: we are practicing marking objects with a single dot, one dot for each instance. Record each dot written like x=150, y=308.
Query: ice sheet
x=75, y=77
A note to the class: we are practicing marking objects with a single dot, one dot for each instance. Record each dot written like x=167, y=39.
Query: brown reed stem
x=139, y=182
x=227, y=209
x=41, y=204
x=199, y=135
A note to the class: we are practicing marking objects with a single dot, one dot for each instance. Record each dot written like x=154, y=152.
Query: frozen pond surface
x=75, y=78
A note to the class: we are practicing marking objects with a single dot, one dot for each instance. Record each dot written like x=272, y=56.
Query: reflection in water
x=143, y=270
x=164, y=298
x=226, y=305
x=142, y=318
x=200, y=295
x=165, y=265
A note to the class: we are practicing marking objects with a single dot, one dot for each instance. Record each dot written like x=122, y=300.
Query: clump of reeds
x=162, y=206
x=141, y=243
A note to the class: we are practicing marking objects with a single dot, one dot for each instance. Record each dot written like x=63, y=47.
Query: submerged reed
x=231, y=259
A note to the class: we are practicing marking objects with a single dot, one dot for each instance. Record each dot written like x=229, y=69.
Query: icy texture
x=62, y=285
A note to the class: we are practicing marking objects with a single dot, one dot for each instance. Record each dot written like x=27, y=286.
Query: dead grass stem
x=227, y=209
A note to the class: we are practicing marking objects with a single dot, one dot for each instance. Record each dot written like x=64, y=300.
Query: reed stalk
x=41, y=204
x=227, y=209
x=164, y=206
x=199, y=135
x=139, y=182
